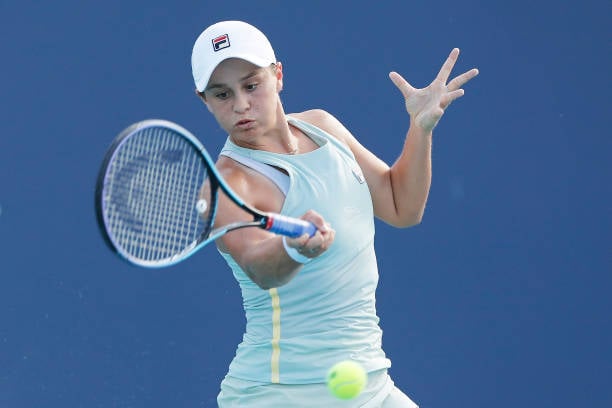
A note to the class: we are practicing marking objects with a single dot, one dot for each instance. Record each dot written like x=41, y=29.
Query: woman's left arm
x=399, y=193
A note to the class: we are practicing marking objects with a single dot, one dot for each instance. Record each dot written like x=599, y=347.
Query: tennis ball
x=346, y=379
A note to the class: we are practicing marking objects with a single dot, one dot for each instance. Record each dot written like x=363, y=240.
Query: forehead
x=232, y=70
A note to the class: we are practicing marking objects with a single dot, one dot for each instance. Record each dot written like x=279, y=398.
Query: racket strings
x=153, y=189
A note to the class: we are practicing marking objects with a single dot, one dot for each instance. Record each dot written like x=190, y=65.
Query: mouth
x=244, y=123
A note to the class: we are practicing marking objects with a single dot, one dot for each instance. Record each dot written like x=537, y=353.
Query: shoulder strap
x=280, y=179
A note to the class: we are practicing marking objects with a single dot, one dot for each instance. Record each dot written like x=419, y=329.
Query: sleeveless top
x=327, y=312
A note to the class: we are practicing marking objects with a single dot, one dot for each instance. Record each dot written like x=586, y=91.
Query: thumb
x=405, y=88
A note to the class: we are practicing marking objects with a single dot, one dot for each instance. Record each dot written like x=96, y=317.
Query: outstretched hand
x=427, y=105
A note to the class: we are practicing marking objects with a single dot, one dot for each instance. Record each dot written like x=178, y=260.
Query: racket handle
x=289, y=226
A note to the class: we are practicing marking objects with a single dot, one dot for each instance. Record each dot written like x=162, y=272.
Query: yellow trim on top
x=276, y=333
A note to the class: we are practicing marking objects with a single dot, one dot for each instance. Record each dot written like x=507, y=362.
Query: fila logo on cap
x=221, y=42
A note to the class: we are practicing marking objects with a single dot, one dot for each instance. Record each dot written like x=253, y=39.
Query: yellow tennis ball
x=346, y=379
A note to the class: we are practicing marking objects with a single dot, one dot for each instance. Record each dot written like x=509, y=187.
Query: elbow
x=417, y=218
x=408, y=224
x=267, y=274
x=264, y=286
x=264, y=282
x=267, y=281
x=414, y=222
x=268, y=284
x=417, y=221
x=409, y=220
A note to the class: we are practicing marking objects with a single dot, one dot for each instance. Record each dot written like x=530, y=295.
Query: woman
x=309, y=301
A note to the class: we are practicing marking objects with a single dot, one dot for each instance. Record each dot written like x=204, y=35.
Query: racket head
x=156, y=194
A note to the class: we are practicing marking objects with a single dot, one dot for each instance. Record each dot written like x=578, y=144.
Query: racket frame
x=260, y=219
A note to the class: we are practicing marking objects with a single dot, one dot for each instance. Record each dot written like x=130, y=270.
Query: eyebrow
x=244, y=78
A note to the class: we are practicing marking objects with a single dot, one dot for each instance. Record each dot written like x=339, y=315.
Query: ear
x=279, y=76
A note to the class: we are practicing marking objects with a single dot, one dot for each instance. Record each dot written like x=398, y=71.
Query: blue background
x=500, y=298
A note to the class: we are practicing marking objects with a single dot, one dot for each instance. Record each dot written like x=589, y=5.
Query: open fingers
x=462, y=79
x=448, y=65
x=405, y=88
x=450, y=97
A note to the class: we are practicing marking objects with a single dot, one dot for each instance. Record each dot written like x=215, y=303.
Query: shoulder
x=318, y=117
x=234, y=173
x=325, y=121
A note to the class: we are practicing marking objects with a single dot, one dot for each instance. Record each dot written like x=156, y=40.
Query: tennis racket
x=157, y=194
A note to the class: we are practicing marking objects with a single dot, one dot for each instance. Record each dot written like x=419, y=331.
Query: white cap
x=228, y=39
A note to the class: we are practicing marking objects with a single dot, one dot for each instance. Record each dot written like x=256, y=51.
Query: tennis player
x=309, y=301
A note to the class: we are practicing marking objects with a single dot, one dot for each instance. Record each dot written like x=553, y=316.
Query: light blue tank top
x=326, y=313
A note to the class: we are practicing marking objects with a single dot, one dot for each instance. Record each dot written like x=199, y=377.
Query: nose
x=241, y=102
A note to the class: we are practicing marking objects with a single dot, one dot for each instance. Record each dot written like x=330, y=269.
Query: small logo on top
x=221, y=42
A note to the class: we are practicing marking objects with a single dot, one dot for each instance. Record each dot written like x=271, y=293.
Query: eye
x=222, y=95
x=252, y=86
